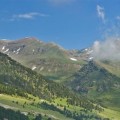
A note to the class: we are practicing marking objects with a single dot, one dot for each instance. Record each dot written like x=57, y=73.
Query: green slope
x=20, y=77
x=25, y=90
x=111, y=66
x=98, y=84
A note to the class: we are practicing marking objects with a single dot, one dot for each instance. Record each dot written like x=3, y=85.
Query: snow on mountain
x=18, y=49
x=73, y=59
x=89, y=52
x=86, y=49
x=14, y=51
x=3, y=47
x=91, y=58
x=6, y=50
x=34, y=67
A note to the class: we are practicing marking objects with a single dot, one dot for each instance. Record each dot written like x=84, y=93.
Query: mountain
x=92, y=83
x=16, y=76
x=112, y=66
x=49, y=59
x=98, y=84
x=25, y=90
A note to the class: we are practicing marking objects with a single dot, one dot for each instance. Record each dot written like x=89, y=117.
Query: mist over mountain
x=107, y=50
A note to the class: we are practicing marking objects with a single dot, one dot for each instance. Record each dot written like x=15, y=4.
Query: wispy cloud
x=118, y=17
x=59, y=2
x=31, y=15
x=101, y=13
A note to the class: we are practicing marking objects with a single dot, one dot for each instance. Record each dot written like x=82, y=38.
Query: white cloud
x=59, y=2
x=107, y=50
x=30, y=15
x=101, y=13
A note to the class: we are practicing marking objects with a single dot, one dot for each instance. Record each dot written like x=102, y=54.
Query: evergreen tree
x=38, y=117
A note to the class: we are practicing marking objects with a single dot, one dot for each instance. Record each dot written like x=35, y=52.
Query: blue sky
x=74, y=24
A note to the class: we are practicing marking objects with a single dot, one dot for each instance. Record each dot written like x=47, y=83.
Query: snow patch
x=3, y=47
x=34, y=67
x=73, y=59
x=6, y=51
x=14, y=51
x=91, y=58
x=86, y=49
x=18, y=49
x=89, y=52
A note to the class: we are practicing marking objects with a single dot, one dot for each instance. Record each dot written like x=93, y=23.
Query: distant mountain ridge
x=48, y=59
x=52, y=60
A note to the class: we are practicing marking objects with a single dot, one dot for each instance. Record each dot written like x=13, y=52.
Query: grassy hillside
x=32, y=106
x=25, y=90
x=15, y=75
x=98, y=84
x=111, y=66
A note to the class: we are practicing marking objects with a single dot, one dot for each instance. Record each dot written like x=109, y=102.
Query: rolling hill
x=24, y=90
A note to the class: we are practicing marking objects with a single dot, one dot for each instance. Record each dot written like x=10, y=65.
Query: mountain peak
x=28, y=39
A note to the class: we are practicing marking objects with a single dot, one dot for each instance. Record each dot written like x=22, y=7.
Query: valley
x=57, y=83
